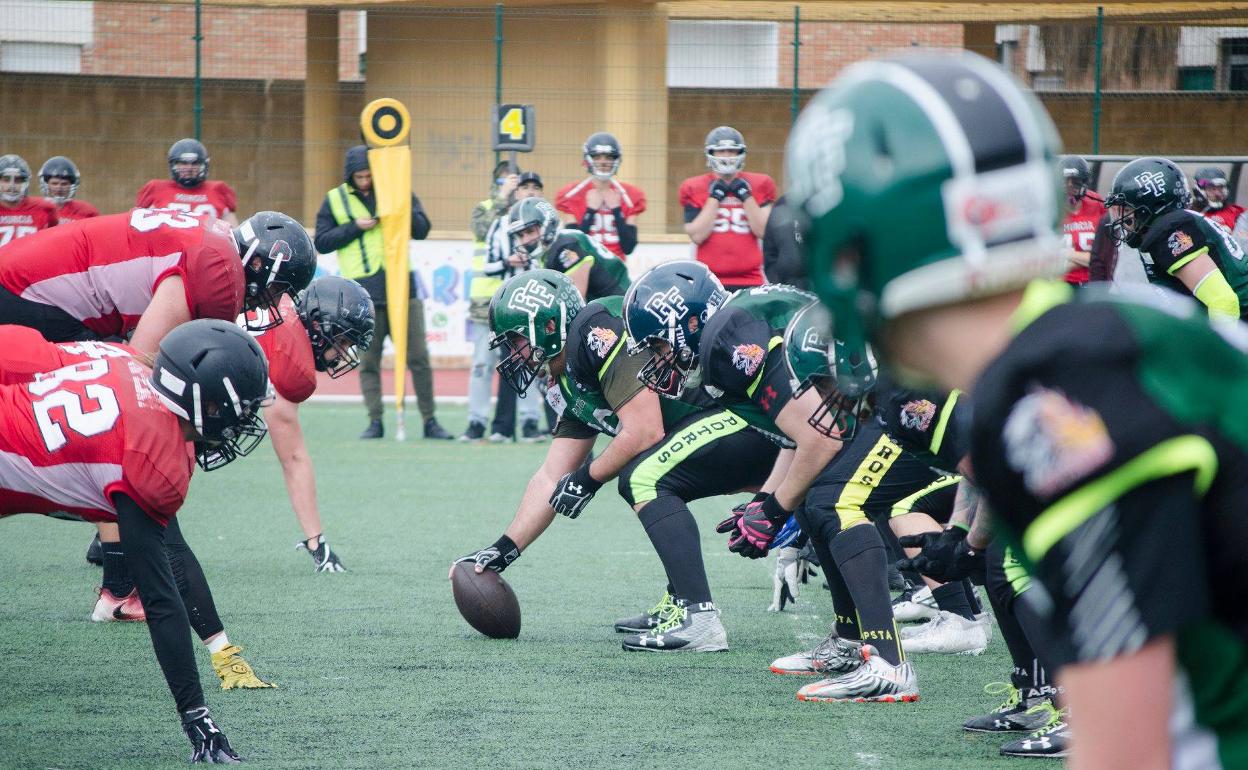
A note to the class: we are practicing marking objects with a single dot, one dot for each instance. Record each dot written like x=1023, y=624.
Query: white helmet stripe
x=234, y=399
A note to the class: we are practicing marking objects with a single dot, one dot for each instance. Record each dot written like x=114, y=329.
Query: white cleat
x=688, y=628
x=949, y=634
x=833, y=656
x=915, y=606
x=875, y=681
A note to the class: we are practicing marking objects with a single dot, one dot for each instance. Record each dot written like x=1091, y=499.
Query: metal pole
x=797, y=48
x=498, y=62
x=199, y=95
x=1096, y=97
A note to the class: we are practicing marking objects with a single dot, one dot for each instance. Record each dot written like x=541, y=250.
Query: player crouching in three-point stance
x=107, y=440
x=1108, y=432
x=665, y=452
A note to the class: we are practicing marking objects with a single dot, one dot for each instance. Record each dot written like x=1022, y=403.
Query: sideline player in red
x=1084, y=212
x=726, y=211
x=1210, y=194
x=190, y=190
x=601, y=205
x=58, y=181
x=148, y=270
x=107, y=440
x=323, y=331
x=21, y=215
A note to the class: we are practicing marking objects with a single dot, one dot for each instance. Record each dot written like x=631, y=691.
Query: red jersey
x=76, y=435
x=291, y=367
x=731, y=251
x=27, y=353
x=74, y=209
x=209, y=197
x=1078, y=230
x=571, y=199
x=28, y=217
x=1228, y=215
x=103, y=271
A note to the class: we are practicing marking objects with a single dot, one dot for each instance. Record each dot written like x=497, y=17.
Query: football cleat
x=475, y=432
x=109, y=608
x=234, y=672
x=950, y=634
x=95, y=551
x=834, y=655
x=689, y=628
x=640, y=624
x=1051, y=740
x=531, y=433
x=1015, y=715
x=876, y=681
x=915, y=605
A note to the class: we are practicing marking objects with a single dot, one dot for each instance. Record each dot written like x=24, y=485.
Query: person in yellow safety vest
x=347, y=223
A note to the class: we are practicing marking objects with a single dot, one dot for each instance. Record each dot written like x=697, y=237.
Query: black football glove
x=718, y=190
x=574, y=491
x=740, y=188
x=945, y=556
x=208, y=743
x=497, y=557
x=326, y=560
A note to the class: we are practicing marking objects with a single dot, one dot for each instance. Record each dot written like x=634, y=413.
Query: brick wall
x=828, y=47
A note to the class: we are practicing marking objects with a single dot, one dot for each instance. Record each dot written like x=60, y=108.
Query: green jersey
x=573, y=250
x=1178, y=237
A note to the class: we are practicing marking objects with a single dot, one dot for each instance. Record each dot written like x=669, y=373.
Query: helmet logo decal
x=1152, y=182
x=814, y=342
x=817, y=177
x=667, y=306
x=747, y=358
x=531, y=298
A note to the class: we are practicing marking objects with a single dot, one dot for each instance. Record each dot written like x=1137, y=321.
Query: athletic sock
x=116, y=576
x=674, y=534
x=861, y=557
x=951, y=598
x=842, y=601
x=972, y=598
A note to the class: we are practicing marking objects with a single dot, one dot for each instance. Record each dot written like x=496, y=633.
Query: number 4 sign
x=514, y=128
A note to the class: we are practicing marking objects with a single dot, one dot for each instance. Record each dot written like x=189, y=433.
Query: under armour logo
x=1152, y=182
x=667, y=306
x=575, y=489
x=531, y=297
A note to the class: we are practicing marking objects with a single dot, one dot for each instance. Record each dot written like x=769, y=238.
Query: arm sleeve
x=627, y=232
x=331, y=236
x=1218, y=296
x=691, y=213
x=166, y=615
x=420, y=220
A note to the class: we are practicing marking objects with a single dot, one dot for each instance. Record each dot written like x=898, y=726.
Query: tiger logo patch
x=748, y=358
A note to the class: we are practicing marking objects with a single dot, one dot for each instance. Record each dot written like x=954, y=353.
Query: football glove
x=234, y=672
x=945, y=556
x=729, y=525
x=718, y=190
x=740, y=188
x=208, y=743
x=757, y=528
x=496, y=557
x=574, y=491
x=326, y=560
x=786, y=580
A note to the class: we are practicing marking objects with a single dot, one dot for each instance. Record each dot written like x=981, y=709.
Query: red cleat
x=109, y=608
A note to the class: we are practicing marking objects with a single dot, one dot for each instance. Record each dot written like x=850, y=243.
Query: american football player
x=1211, y=198
x=600, y=204
x=189, y=189
x=536, y=239
x=1106, y=433
x=58, y=181
x=665, y=452
x=21, y=215
x=726, y=211
x=1084, y=212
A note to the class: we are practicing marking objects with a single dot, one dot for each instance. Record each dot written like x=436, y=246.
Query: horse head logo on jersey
x=531, y=298
x=917, y=415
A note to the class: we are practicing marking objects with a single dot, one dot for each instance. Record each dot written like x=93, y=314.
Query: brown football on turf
x=486, y=601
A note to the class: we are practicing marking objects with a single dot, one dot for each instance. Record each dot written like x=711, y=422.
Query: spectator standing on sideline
x=347, y=223
x=726, y=211
x=485, y=281
x=58, y=181
x=782, y=248
x=600, y=204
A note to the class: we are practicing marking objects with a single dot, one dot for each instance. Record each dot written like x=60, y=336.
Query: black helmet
x=1143, y=190
x=725, y=138
x=287, y=261
x=59, y=167
x=214, y=375
x=1077, y=173
x=188, y=151
x=13, y=165
x=1205, y=179
x=601, y=143
x=339, y=316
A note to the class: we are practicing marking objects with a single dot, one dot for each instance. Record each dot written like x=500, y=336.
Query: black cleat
x=374, y=430
x=435, y=431
x=95, y=551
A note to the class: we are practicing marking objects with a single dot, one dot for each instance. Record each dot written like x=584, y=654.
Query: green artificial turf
x=377, y=670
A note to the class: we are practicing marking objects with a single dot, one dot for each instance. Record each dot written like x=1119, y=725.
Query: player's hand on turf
x=740, y=188
x=718, y=190
x=208, y=743
x=945, y=556
x=574, y=491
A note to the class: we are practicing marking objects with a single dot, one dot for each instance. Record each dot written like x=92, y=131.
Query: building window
x=1197, y=78
x=62, y=58
x=722, y=54
x=1235, y=63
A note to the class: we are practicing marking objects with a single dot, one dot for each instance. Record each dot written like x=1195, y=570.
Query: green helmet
x=1143, y=190
x=919, y=181
x=529, y=315
x=527, y=213
x=817, y=359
